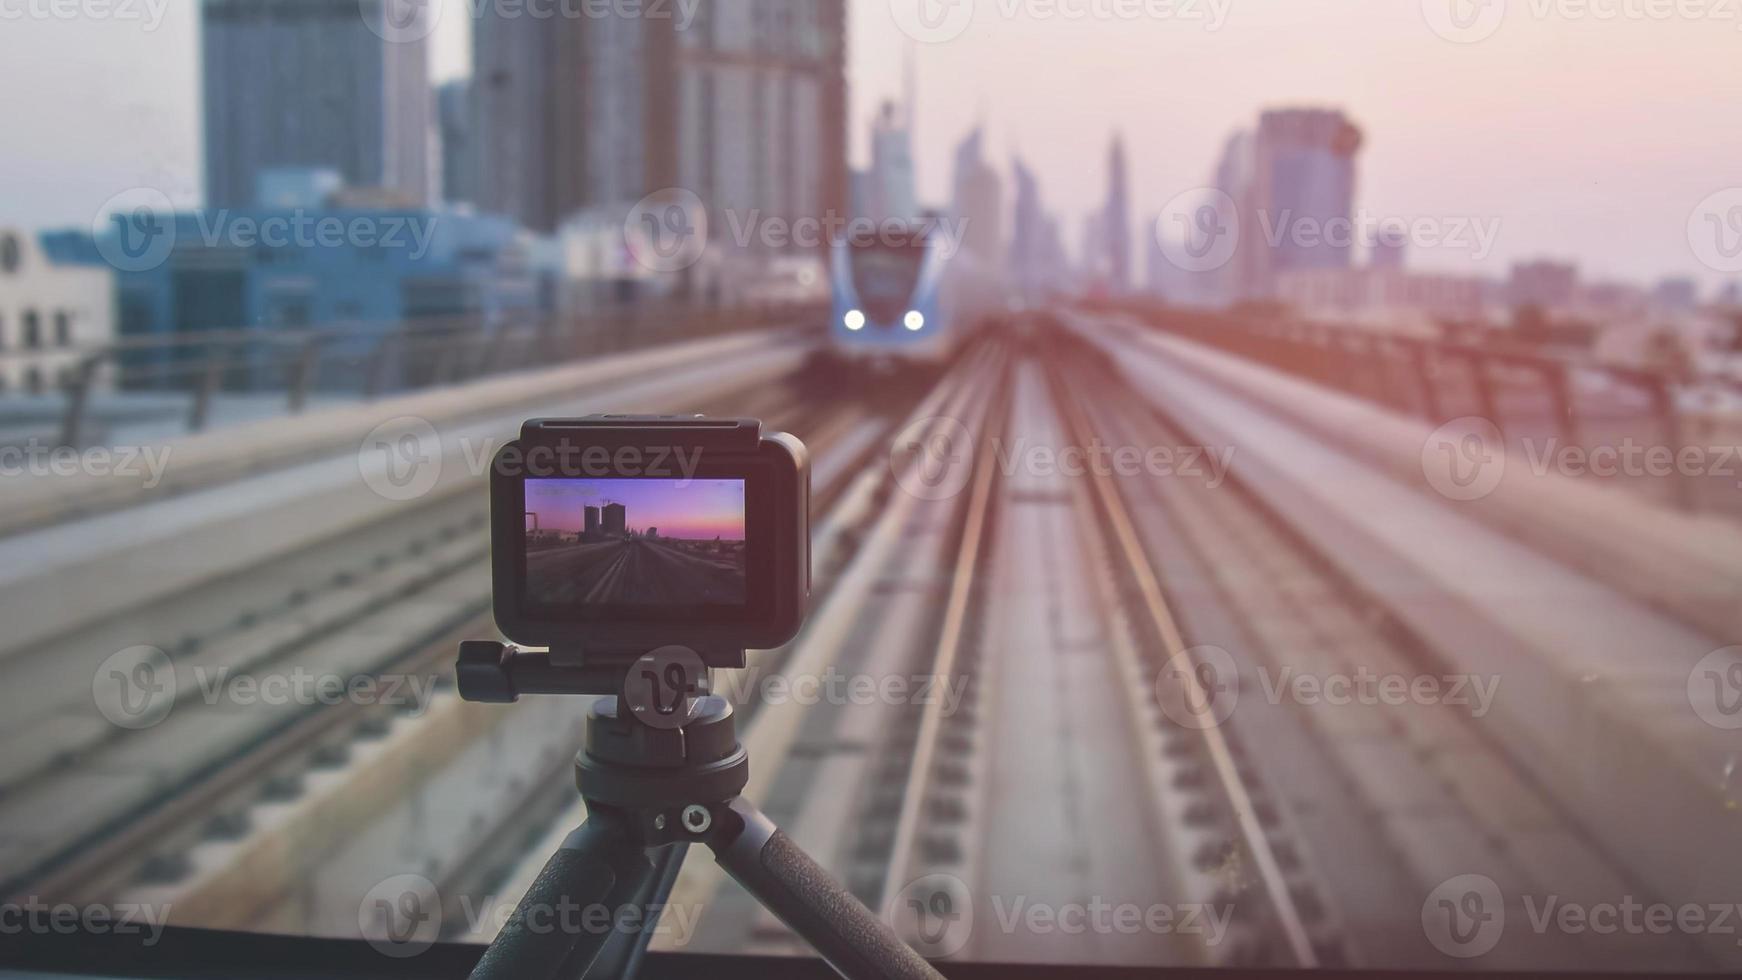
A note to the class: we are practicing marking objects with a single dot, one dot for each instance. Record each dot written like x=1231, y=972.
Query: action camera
x=613, y=535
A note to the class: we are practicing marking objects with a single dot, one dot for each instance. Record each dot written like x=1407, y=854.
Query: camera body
x=613, y=535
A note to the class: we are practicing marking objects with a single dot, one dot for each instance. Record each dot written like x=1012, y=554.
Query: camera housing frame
x=775, y=468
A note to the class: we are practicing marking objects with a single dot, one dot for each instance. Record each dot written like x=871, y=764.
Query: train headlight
x=914, y=320
x=854, y=320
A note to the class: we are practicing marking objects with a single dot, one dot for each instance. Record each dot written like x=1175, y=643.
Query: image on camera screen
x=635, y=542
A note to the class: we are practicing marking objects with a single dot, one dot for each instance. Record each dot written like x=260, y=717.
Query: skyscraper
x=744, y=107
x=1116, y=223
x=892, y=191
x=1303, y=176
x=1037, y=256
x=454, y=119
x=978, y=201
x=313, y=84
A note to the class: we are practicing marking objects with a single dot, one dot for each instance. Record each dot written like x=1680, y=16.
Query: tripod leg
x=555, y=931
x=622, y=955
x=801, y=894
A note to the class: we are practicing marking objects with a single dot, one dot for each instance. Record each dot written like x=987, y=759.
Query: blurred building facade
x=1543, y=283
x=308, y=259
x=1116, y=227
x=978, y=201
x=745, y=107
x=313, y=84
x=1384, y=297
x=54, y=304
x=1291, y=180
x=454, y=122
x=890, y=188
x=1037, y=256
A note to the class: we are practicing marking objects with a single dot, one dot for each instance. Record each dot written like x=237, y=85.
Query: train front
x=887, y=296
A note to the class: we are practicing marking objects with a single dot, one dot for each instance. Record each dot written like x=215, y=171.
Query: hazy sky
x=1581, y=136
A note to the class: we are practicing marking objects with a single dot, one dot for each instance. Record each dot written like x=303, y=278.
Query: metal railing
x=1580, y=402
x=370, y=360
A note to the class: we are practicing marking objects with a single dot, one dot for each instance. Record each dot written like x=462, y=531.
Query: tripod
x=651, y=790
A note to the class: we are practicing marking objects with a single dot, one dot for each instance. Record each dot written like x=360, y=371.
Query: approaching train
x=907, y=295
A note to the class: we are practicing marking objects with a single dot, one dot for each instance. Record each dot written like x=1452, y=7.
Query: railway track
x=197, y=775
x=1365, y=807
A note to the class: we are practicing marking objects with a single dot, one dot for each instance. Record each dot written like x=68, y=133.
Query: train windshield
x=886, y=275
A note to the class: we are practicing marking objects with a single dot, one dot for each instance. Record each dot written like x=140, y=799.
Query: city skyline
x=1587, y=187
x=680, y=509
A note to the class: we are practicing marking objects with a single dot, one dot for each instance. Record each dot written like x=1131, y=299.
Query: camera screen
x=635, y=542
